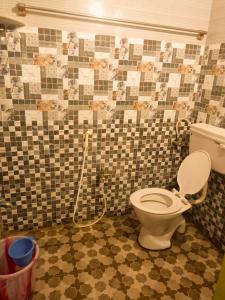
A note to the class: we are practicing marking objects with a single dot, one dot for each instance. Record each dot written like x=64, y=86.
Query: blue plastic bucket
x=21, y=251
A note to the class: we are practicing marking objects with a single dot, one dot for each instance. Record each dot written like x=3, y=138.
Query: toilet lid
x=194, y=172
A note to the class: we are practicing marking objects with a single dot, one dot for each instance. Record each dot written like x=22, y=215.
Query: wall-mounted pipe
x=203, y=195
x=201, y=198
x=178, y=123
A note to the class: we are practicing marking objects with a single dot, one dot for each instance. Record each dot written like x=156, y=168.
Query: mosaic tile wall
x=210, y=105
x=210, y=108
x=54, y=85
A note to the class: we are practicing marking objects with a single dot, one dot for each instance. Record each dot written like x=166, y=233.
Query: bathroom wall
x=56, y=84
x=186, y=13
x=210, y=108
x=129, y=91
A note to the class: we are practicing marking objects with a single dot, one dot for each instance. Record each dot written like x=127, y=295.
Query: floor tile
x=106, y=262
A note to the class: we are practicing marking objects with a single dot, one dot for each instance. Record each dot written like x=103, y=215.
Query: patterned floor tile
x=105, y=262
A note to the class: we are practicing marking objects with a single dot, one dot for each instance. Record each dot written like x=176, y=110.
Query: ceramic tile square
x=86, y=76
x=51, y=71
x=89, y=46
x=138, y=50
x=208, y=82
x=31, y=73
x=32, y=40
x=133, y=78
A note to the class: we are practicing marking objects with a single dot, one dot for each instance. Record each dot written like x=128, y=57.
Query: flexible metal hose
x=79, y=187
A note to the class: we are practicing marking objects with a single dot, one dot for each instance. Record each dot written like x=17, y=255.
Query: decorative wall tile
x=32, y=40
x=33, y=116
x=13, y=41
x=169, y=115
x=31, y=73
x=213, y=86
x=44, y=59
x=130, y=115
x=174, y=80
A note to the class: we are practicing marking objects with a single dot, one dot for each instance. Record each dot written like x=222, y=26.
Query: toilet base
x=160, y=242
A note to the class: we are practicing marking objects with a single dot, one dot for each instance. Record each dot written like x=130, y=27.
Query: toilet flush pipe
x=197, y=201
x=203, y=195
x=80, y=184
x=178, y=123
x=193, y=202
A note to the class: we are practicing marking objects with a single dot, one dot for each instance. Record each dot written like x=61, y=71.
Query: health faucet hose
x=80, y=184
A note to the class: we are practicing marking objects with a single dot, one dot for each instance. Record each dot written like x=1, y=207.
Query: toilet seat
x=156, y=201
x=192, y=175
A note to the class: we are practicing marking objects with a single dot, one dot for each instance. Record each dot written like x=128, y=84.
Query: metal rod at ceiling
x=23, y=9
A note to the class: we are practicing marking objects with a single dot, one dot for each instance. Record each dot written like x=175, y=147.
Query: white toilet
x=160, y=211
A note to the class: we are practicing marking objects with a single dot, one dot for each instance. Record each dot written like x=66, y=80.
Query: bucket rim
x=17, y=241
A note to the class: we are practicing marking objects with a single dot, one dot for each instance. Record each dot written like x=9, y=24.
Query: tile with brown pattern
x=106, y=262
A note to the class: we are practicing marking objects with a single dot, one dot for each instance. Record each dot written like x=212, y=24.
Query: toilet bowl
x=160, y=211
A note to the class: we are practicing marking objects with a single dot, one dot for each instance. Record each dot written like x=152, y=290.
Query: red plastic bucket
x=16, y=283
